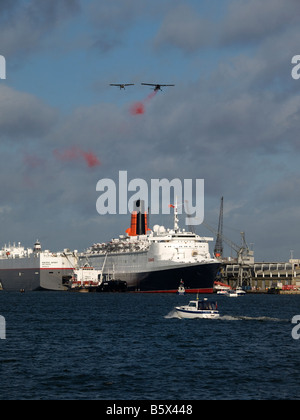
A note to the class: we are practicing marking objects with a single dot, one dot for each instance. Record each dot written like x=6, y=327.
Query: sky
x=232, y=117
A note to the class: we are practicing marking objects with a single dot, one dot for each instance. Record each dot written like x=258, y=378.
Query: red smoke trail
x=90, y=159
x=33, y=161
x=32, y=164
x=138, y=108
x=151, y=95
x=75, y=153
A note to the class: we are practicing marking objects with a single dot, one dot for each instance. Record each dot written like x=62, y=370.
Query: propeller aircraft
x=156, y=86
x=121, y=85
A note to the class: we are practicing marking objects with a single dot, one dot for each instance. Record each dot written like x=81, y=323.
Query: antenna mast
x=176, y=220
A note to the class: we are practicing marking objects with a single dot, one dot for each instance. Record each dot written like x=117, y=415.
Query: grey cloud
x=110, y=20
x=253, y=21
x=23, y=116
x=244, y=23
x=183, y=28
x=24, y=25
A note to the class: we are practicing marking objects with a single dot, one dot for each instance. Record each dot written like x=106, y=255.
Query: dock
x=261, y=277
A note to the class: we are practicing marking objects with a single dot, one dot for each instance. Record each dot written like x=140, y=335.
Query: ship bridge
x=179, y=246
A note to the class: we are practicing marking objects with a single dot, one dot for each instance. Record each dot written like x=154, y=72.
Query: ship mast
x=176, y=220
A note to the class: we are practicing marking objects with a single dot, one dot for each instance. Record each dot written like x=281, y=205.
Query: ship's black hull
x=197, y=279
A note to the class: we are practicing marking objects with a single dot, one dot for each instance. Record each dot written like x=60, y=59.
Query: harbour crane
x=244, y=254
x=218, y=251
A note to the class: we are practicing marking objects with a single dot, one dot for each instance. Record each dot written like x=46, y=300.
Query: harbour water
x=132, y=347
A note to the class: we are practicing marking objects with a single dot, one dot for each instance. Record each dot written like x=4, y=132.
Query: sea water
x=134, y=347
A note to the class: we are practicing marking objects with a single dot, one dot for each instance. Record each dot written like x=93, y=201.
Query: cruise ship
x=156, y=260
x=30, y=269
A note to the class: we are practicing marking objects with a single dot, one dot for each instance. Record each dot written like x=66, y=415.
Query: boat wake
x=173, y=314
x=252, y=318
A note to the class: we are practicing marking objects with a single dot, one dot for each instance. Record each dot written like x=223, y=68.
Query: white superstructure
x=157, y=260
x=33, y=269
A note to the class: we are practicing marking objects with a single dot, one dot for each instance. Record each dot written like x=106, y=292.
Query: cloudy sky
x=232, y=118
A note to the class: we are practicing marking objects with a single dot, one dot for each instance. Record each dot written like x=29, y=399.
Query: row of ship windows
x=184, y=246
x=262, y=268
x=21, y=273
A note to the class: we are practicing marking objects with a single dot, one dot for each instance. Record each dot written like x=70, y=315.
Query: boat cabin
x=203, y=305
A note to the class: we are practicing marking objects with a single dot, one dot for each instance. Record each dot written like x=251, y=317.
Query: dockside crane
x=218, y=251
x=245, y=256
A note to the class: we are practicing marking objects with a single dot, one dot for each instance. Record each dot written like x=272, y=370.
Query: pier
x=261, y=276
x=243, y=271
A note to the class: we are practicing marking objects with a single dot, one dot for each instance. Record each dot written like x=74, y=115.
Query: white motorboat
x=235, y=293
x=222, y=292
x=198, y=309
x=231, y=293
x=240, y=291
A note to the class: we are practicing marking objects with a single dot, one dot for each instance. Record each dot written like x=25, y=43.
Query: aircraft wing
x=154, y=84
